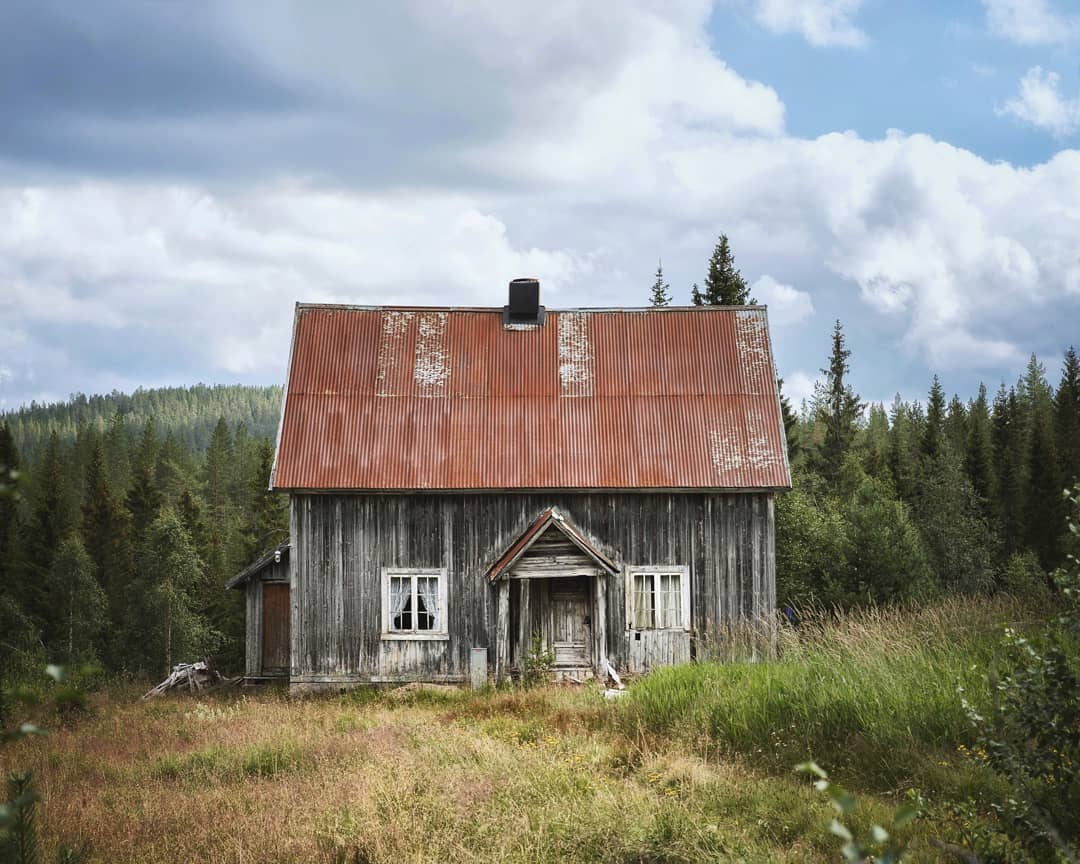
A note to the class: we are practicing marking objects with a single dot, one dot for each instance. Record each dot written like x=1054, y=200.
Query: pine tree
x=724, y=284
x=934, y=434
x=82, y=609
x=838, y=407
x=660, y=295
x=979, y=453
x=1067, y=419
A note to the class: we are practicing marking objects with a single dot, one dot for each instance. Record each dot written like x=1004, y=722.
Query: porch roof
x=548, y=519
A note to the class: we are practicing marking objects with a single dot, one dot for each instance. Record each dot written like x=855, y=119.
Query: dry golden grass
x=529, y=777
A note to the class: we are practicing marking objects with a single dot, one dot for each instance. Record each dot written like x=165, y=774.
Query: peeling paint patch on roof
x=760, y=453
x=575, y=355
x=724, y=451
x=752, y=344
x=395, y=327
x=431, y=368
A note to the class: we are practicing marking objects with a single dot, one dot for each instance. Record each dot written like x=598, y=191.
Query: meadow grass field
x=694, y=763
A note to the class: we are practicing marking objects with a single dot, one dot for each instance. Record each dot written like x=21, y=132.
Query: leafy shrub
x=1031, y=733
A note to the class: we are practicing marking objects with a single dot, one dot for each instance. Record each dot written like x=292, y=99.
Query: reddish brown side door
x=275, y=631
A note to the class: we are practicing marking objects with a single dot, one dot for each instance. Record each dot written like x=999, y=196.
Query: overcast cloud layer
x=171, y=184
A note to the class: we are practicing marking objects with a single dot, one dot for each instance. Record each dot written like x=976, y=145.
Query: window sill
x=415, y=637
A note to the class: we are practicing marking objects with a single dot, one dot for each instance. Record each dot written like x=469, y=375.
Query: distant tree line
x=117, y=548
x=912, y=501
x=189, y=413
x=916, y=500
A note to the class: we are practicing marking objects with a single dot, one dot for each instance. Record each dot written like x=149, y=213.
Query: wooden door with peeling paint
x=275, y=630
x=569, y=608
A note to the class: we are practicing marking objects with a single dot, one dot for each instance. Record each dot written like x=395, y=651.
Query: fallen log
x=194, y=677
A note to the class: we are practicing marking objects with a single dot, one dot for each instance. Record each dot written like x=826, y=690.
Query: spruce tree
x=144, y=498
x=82, y=609
x=660, y=296
x=724, y=284
x=979, y=453
x=169, y=571
x=9, y=511
x=50, y=520
x=1044, y=513
x=217, y=479
x=106, y=536
x=956, y=423
x=791, y=421
x=934, y=433
x=1007, y=438
x=1067, y=419
x=902, y=448
x=837, y=407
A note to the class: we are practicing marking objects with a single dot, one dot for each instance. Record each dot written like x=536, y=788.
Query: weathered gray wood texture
x=253, y=595
x=341, y=543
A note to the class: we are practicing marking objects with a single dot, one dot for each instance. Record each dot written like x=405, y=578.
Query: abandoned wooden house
x=469, y=485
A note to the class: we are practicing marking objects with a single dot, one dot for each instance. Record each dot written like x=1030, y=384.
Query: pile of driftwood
x=192, y=677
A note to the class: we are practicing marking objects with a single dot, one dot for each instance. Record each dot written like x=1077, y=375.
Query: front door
x=569, y=605
x=275, y=629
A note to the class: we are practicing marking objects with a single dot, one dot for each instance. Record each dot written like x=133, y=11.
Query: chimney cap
x=523, y=308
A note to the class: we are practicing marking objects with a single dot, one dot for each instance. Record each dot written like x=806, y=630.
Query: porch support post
x=502, y=630
x=599, y=628
x=524, y=620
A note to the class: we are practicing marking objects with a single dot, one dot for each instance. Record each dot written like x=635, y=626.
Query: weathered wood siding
x=253, y=594
x=341, y=543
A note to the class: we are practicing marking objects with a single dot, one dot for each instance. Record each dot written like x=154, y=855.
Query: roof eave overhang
x=530, y=490
x=259, y=564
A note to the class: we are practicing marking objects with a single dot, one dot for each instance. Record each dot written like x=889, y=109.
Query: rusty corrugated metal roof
x=440, y=399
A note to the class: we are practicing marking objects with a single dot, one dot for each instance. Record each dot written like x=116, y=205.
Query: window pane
x=671, y=584
x=427, y=602
x=400, y=603
x=643, y=601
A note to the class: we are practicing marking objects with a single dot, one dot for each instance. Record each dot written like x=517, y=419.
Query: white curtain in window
x=671, y=601
x=427, y=588
x=643, y=600
x=400, y=591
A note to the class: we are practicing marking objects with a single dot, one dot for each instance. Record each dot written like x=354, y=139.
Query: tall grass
x=872, y=691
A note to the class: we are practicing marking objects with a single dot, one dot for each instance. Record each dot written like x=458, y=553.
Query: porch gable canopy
x=550, y=519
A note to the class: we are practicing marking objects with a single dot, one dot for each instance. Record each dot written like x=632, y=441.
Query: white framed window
x=658, y=598
x=414, y=603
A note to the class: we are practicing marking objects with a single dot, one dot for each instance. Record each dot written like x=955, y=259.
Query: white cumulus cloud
x=1030, y=22
x=787, y=305
x=820, y=22
x=1041, y=104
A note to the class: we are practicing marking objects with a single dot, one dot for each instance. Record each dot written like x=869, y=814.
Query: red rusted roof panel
x=394, y=398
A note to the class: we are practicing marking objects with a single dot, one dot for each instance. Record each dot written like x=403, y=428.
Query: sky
x=174, y=178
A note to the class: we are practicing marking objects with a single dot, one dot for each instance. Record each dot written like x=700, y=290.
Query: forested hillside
x=126, y=526
x=189, y=413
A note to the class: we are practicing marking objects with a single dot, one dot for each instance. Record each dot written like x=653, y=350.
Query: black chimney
x=524, y=306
